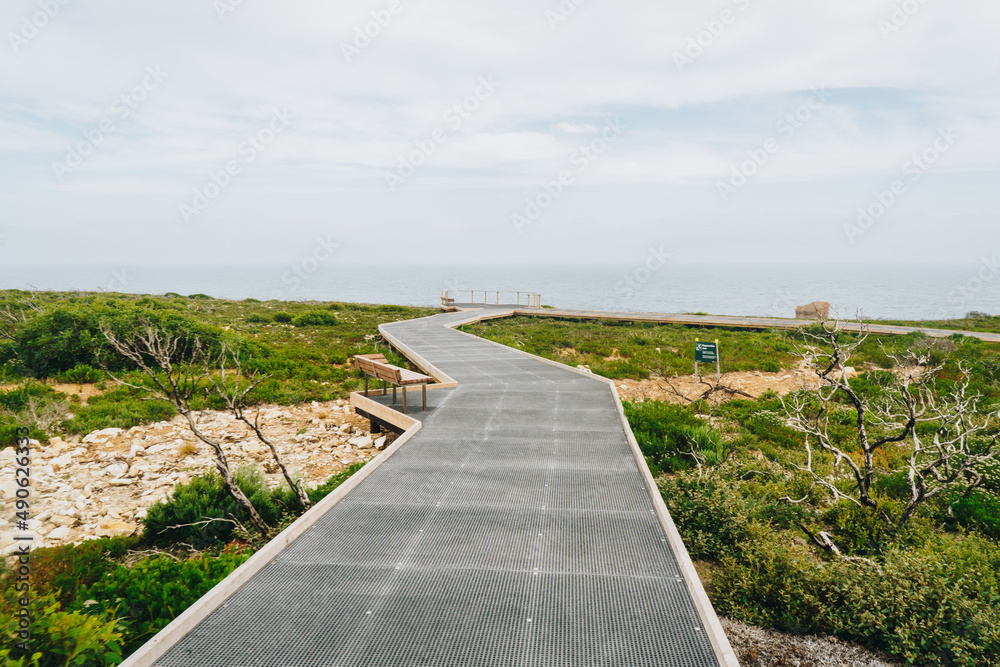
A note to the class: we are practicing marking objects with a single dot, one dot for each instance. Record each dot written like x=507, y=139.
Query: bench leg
x=394, y=394
x=383, y=387
x=403, y=389
x=423, y=390
x=366, y=385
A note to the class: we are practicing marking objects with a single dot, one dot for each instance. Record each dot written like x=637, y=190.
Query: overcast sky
x=245, y=131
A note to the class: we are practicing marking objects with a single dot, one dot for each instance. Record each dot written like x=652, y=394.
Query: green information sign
x=707, y=353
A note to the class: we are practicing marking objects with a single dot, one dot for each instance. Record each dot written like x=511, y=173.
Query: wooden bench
x=376, y=366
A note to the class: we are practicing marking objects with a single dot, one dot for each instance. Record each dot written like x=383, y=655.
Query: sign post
x=708, y=353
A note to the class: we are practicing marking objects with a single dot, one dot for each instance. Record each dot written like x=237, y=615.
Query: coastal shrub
x=82, y=374
x=34, y=406
x=934, y=600
x=283, y=317
x=204, y=498
x=58, y=340
x=667, y=434
x=147, y=597
x=979, y=511
x=17, y=399
x=316, y=318
x=257, y=318
x=324, y=489
x=61, y=571
x=711, y=515
x=61, y=637
x=121, y=408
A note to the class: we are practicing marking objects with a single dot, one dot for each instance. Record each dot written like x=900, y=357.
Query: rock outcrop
x=817, y=310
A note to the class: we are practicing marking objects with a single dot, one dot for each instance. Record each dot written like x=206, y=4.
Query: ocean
x=876, y=292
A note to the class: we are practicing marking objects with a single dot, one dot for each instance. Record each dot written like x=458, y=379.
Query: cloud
x=689, y=129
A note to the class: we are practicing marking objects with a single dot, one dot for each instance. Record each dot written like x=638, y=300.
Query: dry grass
x=187, y=449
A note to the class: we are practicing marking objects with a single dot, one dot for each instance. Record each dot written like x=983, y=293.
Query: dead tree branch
x=954, y=455
x=172, y=364
x=228, y=387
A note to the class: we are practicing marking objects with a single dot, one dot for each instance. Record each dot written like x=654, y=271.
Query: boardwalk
x=515, y=528
x=737, y=322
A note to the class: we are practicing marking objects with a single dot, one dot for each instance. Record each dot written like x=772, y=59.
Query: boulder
x=380, y=443
x=114, y=528
x=61, y=462
x=63, y=520
x=361, y=441
x=817, y=310
x=103, y=435
x=116, y=469
x=60, y=533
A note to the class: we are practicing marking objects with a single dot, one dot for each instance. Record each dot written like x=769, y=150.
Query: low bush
x=121, y=408
x=205, y=499
x=61, y=571
x=711, y=515
x=59, y=637
x=282, y=317
x=82, y=374
x=979, y=511
x=933, y=604
x=147, y=597
x=324, y=489
x=316, y=318
x=668, y=434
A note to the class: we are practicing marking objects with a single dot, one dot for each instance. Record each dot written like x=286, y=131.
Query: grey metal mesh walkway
x=514, y=529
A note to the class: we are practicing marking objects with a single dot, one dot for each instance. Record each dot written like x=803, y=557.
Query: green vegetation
x=96, y=602
x=624, y=350
x=204, y=499
x=974, y=321
x=305, y=348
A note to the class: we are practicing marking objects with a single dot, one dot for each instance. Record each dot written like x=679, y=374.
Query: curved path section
x=741, y=322
x=516, y=527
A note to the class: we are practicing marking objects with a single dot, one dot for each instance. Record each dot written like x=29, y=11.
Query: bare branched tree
x=12, y=317
x=228, y=386
x=953, y=455
x=660, y=376
x=174, y=365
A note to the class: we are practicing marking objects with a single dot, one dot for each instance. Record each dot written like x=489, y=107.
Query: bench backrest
x=366, y=362
x=386, y=372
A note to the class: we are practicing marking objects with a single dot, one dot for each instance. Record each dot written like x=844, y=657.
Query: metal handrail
x=527, y=299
